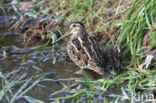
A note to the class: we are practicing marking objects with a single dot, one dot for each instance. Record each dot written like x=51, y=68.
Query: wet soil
x=15, y=57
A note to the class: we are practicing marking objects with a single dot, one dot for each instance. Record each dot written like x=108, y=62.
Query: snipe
x=83, y=49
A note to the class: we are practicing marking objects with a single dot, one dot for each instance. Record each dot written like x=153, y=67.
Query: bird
x=83, y=49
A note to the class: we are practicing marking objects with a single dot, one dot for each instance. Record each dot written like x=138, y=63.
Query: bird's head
x=75, y=27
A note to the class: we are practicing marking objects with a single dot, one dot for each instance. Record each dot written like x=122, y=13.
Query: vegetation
x=131, y=25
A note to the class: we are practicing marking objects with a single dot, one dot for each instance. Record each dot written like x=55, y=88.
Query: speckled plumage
x=84, y=50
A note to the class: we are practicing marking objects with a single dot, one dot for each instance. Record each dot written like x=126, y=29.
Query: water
x=25, y=62
x=14, y=58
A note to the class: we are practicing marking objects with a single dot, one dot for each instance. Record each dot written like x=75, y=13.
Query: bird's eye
x=74, y=25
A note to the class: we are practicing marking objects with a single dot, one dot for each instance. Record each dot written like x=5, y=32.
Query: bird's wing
x=90, y=46
x=77, y=53
x=95, y=47
x=83, y=49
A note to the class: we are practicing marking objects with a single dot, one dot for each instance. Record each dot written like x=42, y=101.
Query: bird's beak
x=62, y=37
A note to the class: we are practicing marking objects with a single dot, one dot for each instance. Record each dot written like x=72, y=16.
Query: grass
x=129, y=82
x=139, y=21
x=136, y=25
x=7, y=95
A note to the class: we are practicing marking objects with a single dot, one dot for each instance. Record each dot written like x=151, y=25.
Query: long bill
x=62, y=37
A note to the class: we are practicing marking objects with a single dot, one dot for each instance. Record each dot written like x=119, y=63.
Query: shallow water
x=25, y=62
x=14, y=58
